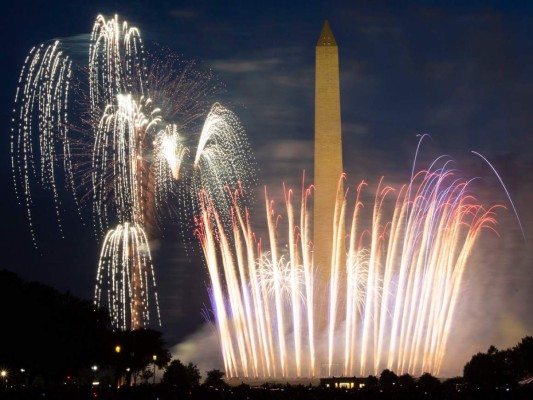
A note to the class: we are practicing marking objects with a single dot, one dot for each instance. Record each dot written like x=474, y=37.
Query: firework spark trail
x=506, y=192
x=125, y=272
x=222, y=160
x=306, y=257
x=335, y=271
x=278, y=304
x=42, y=92
x=207, y=239
x=253, y=301
x=172, y=150
x=392, y=251
x=115, y=63
x=398, y=289
x=241, y=262
x=118, y=153
x=295, y=282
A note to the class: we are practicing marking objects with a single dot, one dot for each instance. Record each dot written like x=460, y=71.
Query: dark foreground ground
x=277, y=392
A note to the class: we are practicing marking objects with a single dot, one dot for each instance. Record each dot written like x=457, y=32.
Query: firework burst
x=125, y=276
x=125, y=152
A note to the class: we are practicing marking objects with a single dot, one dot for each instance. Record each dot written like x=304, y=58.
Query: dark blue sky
x=459, y=72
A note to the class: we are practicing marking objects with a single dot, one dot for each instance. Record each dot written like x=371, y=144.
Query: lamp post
x=154, y=359
x=24, y=377
x=94, y=368
x=117, y=352
x=3, y=374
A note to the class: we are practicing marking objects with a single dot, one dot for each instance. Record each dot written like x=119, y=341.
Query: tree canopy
x=215, y=378
x=181, y=378
x=46, y=332
x=499, y=368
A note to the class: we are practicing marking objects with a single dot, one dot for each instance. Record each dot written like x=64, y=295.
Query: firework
x=170, y=153
x=223, y=160
x=125, y=277
x=391, y=305
x=124, y=151
x=41, y=107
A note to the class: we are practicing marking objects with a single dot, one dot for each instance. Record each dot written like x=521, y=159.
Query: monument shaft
x=328, y=161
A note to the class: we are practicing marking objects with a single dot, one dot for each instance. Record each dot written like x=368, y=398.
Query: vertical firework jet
x=390, y=305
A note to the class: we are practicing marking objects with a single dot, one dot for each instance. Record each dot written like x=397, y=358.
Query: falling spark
x=41, y=108
x=170, y=154
x=223, y=161
x=125, y=278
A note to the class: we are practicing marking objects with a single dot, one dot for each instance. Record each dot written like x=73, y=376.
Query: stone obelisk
x=328, y=164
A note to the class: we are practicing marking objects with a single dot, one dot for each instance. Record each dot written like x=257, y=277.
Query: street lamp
x=117, y=372
x=24, y=377
x=154, y=358
x=94, y=368
x=3, y=374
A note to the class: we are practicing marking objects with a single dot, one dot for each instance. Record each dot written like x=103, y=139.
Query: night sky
x=460, y=73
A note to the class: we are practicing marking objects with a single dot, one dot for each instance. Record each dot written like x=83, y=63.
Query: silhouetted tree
x=406, y=384
x=451, y=385
x=388, y=379
x=406, y=381
x=181, y=378
x=522, y=358
x=428, y=383
x=372, y=382
x=490, y=369
x=137, y=350
x=215, y=379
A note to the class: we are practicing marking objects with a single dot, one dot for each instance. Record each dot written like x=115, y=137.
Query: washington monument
x=328, y=161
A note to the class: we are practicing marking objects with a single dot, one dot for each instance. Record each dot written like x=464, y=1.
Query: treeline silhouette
x=57, y=346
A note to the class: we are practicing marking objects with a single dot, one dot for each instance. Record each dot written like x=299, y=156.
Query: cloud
x=355, y=129
x=244, y=65
x=287, y=150
x=184, y=13
x=273, y=59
